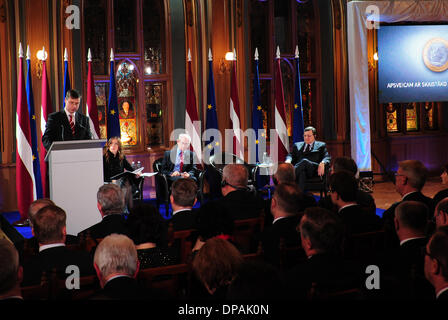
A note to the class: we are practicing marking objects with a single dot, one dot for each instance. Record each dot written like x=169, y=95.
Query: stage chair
x=89, y=285
x=365, y=246
x=320, y=184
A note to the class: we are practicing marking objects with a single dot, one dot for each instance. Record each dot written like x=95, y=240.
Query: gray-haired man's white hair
x=185, y=135
x=116, y=253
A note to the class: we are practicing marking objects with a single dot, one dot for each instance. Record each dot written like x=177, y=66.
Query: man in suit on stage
x=309, y=157
x=67, y=124
x=180, y=161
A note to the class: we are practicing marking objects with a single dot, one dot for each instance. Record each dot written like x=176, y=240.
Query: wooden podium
x=75, y=170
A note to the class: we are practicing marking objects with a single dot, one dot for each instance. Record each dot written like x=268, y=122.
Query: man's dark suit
x=405, y=264
x=330, y=273
x=58, y=128
x=59, y=258
x=184, y=220
x=306, y=163
x=112, y=223
x=283, y=228
x=389, y=215
x=188, y=166
x=241, y=204
x=357, y=219
x=121, y=288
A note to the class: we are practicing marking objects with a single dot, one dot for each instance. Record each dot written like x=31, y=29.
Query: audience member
x=149, y=232
x=111, y=207
x=321, y=235
x=442, y=194
x=436, y=263
x=407, y=262
x=34, y=207
x=183, y=198
x=11, y=273
x=50, y=231
x=238, y=200
x=116, y=264
x=258, y=281
x=441, y=213
x=284, y=174
x=309, y=157
x=213, y=221
x=286, y=205
x=409, y=181
x=215, y=266
x=363, y=198
x=343, y=190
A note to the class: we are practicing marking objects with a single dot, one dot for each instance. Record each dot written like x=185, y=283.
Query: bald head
x=236, y=175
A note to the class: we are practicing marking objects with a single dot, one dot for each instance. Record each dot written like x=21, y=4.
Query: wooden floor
x=385, y=194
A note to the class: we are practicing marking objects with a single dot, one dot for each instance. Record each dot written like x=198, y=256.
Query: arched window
x=136, y=30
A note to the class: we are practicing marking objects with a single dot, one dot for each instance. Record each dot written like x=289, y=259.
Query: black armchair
x=320, y=184
x=162, y=186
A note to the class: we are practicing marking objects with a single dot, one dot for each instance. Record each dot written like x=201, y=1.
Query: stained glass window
x=101, y=102
x=259, y=16
x=411, y=117
x=125, y=29
x=430, y=124
x=392, y=119
x=306, y=36
x=153, y=35
x=127, y=102
x=95, y=34
x=154, y=113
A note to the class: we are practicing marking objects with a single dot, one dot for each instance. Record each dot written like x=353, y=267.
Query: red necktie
x=72, y=124
x=181, y=161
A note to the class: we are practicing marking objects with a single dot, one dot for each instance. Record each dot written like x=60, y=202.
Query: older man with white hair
x=116, y=264
x=180, y=161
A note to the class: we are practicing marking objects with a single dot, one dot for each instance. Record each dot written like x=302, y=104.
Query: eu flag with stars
x=33, y=127
x=113, y=122
x=297, y=134
x=212, y=119
x=257, y=114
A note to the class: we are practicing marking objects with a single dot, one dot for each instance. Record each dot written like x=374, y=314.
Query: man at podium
x=67, y=124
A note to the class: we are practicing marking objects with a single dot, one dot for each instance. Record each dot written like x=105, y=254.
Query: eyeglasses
x=399, y=175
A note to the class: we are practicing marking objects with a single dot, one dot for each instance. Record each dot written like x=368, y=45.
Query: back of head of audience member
x=321, y=231
x=216, y=264
x=36, y=205
x=343, y=188
x=436, y=259
x=146, y=225
x=234, y=177
x=285, y=174
x=11, y=273
x=411, y=218
x=183, y=193
x=115, y=256
x=345, y=163
x=287, y=200
x=110, y=199
x=441, y=213
x=49, y=225
x=256, y=280
x=411, y=176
